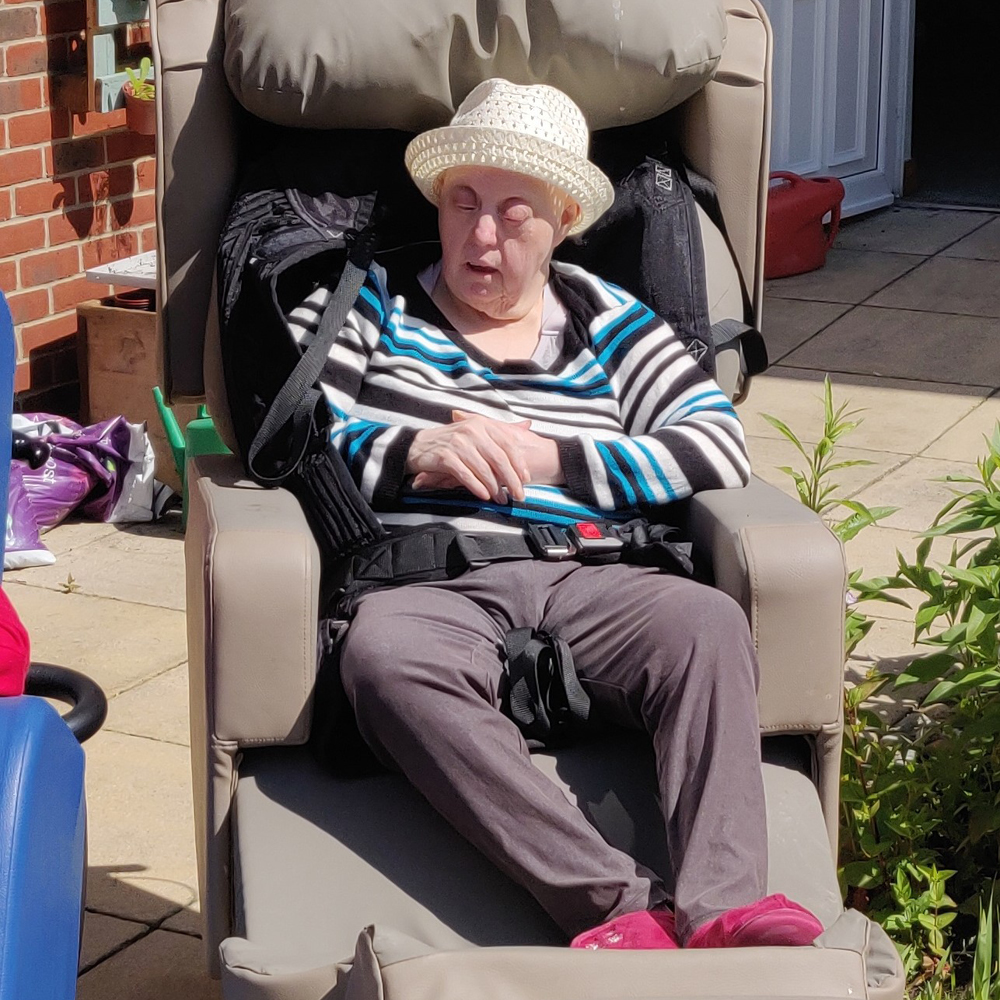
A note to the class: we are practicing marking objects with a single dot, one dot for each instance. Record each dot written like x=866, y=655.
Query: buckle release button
x=588, y=530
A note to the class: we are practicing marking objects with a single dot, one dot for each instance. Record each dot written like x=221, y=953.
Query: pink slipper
x=644, y=929
x=772, y=921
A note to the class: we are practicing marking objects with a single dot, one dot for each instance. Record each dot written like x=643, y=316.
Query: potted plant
x=140, y=99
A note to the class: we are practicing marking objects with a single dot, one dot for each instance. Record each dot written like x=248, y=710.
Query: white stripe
x=598, y=474
x=673, y=472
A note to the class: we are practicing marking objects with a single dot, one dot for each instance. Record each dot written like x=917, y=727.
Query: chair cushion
x=320, y=858
x=326, y=68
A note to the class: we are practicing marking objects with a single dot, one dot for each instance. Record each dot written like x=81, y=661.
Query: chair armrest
x=786, y=568
x=252, y=608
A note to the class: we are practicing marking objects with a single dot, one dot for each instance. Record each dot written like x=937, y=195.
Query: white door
x=840, y=92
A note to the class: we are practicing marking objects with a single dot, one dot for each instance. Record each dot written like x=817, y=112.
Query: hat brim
x=440, y=149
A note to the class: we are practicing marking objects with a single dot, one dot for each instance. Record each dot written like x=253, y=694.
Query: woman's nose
x=485, y=232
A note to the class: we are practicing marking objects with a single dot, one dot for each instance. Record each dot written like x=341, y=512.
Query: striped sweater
x=636, y=421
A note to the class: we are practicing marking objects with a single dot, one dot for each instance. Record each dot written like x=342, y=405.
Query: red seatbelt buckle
x=594, y=540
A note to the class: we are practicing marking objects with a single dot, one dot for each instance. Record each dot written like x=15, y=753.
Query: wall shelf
x=100, y=89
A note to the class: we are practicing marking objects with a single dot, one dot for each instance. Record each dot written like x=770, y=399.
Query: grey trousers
x=422, y=663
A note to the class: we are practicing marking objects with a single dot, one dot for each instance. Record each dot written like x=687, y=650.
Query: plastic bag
x=106, y=469
x=23, y=544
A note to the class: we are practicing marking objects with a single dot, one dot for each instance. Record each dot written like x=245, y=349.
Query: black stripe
x=726, y=442
x=690, y=379
x=632, y=395
x=699, y=472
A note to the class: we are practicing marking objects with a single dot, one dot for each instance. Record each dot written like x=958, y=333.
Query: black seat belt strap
x=543, y=694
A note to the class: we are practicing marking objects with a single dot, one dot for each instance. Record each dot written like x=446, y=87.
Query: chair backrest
x=723, y=129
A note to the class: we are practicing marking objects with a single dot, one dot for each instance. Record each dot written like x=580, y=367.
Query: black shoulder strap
x=707, y=196
x=298, y=397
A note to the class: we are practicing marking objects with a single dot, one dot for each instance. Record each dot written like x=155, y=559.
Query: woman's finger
x=504, y=465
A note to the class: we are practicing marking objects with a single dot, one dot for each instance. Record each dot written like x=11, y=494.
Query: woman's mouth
x=480, y=268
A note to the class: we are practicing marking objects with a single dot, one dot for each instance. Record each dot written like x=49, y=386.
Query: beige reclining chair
x=313, y=886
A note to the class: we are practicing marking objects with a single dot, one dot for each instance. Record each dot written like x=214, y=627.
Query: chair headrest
x=387, y=64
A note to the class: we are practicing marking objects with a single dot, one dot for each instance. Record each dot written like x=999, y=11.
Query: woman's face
x=498, y=230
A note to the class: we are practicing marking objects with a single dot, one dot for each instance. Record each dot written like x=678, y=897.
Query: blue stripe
x=627, y=332
x=615, y=470
x=640, y=476
x=661, y=476
x=369, y=296
x=425, y=340
x=688, y=409
x=522, y=513
x=360, y=440
x=600, y=334
x=396, y=351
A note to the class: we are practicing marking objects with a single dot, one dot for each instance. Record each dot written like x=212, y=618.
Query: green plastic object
x=175, y=436
x=199, y=438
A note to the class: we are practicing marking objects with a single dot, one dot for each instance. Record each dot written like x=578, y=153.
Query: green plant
x=920, y=919
x=817, y=490
x=986, y=962
x=958, y=620
x=142, y=87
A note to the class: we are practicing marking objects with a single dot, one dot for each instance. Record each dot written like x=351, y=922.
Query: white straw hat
x=534, y=130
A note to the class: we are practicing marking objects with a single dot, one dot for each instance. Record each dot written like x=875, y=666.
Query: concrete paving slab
x=848, y=276
x=906, y=344
x=902, y=417
x=887, y=648
x=766, y=454
x=116, y=643
x=103, y=935
x=72, y=534
x=143, y=564
x=161, y=966
x=981, y=244
x=187, y=921
x=907, y=230
x=949, y=285
x=788, y=323
x=964, y=442
x=915, y=490
x=156, y=708
x=141, y=827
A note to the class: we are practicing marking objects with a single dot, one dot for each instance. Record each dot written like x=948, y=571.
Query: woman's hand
x=484, y=456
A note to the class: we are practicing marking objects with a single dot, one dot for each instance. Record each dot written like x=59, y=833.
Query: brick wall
x=76, y=190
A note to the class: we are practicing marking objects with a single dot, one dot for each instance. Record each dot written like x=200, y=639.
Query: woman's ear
x=570, y=213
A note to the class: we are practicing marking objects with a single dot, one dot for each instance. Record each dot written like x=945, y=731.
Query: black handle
x=90, y=707
x=28, y=449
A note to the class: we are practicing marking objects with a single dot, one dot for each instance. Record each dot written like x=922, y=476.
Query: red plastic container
x=796, y=239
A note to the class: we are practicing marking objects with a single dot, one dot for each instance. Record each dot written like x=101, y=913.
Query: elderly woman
x=501, y=388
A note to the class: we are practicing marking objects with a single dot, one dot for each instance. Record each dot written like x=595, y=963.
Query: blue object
x=42, y=852
x=7, y=361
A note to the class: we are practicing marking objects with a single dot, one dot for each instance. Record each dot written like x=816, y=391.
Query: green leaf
x=862, y=874
x=982, y=964
x=986, y=676
x=925, y=669
x=786, y=431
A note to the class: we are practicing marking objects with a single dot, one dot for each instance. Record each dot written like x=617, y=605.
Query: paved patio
x=905, y=317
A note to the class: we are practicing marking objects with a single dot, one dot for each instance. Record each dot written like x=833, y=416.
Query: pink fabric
x=643, y=929
x=14, y=649
x=772, y=921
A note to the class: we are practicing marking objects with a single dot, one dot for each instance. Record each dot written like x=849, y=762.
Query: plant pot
x=140, y=114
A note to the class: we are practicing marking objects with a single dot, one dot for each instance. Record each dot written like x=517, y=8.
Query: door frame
x=877, y=188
